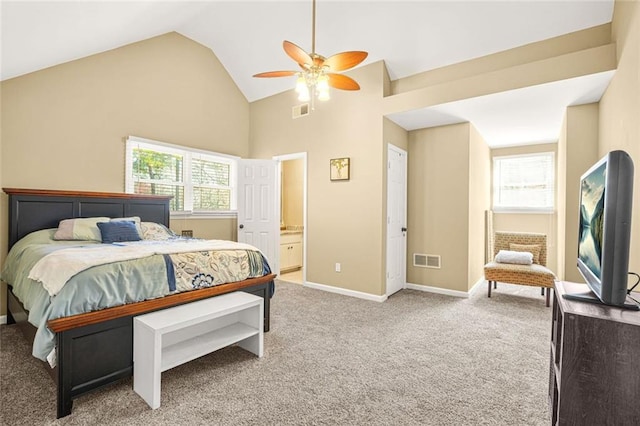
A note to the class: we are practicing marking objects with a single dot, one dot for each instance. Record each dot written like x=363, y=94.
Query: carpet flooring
x=417, y=359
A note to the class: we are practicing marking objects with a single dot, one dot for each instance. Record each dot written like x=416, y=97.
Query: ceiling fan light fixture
x=318, y=73
x=322, y=88
x=304, y=96
x=302, y=89
x=301, y=84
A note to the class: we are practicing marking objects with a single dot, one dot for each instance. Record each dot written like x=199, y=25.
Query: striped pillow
x=135, y=219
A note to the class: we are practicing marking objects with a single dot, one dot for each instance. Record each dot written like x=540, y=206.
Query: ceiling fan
x=318, y=73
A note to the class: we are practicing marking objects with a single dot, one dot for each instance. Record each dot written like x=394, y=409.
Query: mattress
x=154, y=274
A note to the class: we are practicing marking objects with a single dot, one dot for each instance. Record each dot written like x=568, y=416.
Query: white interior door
x=396, y=219
x=259, y=207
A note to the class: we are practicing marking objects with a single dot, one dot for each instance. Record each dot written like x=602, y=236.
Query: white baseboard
x=3, y=319
x=345, y=292
x=429, y=289
x=477, y=285
x=448, y=292
x=373, y=297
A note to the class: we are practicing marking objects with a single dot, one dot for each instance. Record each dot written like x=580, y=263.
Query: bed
x=84, y=342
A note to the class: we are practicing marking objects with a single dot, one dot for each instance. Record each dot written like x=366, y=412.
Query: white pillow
x=83, y=229
x=514, y=257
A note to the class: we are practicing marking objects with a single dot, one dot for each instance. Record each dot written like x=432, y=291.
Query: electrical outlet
x=187, y=232
x=337, y=267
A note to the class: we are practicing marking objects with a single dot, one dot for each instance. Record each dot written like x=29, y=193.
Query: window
x=524, y=183
x=200, y=182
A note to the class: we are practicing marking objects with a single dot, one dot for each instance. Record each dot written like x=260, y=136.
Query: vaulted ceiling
x=246, y=36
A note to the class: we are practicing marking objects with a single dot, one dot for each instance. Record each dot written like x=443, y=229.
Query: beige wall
x=211, y=229
x=64, y=127
x=546, y=49
x=544, y=223
x=448, y=194
x=619, y=124
x=293, y=192
x=438, y=205
x=578, y=150
x=167, y=88
x=583, y=53
x=394, y=134
x=479, y=203
x=344, y=218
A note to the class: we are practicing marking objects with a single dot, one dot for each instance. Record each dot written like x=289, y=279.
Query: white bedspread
x=55, y=269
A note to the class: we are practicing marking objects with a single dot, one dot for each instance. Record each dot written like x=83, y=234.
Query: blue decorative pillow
x=118, y=231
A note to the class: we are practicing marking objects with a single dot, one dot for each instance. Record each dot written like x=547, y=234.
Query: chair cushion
x=534, y=275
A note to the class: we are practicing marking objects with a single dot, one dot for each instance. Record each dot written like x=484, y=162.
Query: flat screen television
x=606, y=193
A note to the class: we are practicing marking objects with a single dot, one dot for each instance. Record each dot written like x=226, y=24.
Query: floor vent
x=426, y=260
x=300, y=110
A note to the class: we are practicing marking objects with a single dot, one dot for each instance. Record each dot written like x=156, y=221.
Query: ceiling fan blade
x=296, y=53
x=342, y=82
x=276, y=74
x=345, y=60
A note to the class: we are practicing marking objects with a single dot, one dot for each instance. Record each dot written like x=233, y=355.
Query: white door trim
x=296, y=156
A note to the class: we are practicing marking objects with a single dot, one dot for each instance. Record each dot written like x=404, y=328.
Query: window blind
x=199, y=181
x=524, y=182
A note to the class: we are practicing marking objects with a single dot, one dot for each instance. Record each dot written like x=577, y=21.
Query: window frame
x=188, y=154
x=523, y=209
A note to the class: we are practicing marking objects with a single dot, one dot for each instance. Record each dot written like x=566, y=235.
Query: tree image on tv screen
x=597, y=223
x=592, y=219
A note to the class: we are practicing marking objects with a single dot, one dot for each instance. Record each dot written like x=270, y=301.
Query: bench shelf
x=170, y=337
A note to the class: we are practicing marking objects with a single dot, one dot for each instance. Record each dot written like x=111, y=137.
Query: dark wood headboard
x=34, y=209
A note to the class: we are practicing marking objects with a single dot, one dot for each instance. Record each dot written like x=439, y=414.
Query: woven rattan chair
x=536, y=274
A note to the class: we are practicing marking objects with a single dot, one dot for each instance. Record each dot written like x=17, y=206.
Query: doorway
x=293, y=217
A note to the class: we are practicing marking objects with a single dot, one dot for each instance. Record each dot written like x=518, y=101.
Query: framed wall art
x=339, y=168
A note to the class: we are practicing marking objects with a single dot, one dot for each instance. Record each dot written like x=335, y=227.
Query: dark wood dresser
x=595, y=362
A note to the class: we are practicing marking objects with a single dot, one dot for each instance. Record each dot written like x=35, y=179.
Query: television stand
x=589, y=297
x=593, y=368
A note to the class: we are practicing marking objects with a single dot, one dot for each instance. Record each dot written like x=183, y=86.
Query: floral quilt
x=195, y=270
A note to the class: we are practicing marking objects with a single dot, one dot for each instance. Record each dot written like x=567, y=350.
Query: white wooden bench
x=170, y=337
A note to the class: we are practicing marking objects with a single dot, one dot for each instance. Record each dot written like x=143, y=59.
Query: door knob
x=404, y=229
x=241, y=226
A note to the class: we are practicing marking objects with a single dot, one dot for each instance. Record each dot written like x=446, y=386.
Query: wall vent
x=426, y=260
x=300, y=111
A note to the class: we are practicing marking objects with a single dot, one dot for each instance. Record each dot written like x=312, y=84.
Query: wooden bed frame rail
x=67, y=323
